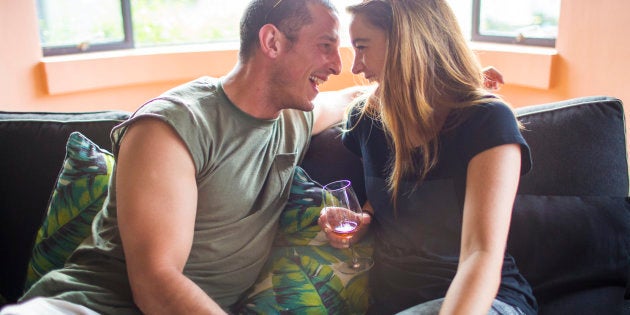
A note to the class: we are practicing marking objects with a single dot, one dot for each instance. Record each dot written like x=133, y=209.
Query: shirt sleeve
x=492, y=125
x=178, y=116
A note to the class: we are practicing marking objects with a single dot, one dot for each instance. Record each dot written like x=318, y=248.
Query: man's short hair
x=287, y=15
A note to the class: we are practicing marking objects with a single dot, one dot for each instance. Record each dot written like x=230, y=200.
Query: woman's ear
x=270, y=39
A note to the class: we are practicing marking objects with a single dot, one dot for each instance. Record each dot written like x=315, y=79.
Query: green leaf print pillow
x=78, y=195
x=301, y=276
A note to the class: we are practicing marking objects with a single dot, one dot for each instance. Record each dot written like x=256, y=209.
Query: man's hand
x=493, y=79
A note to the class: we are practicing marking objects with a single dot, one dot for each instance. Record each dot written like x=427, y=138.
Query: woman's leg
x=433, y=308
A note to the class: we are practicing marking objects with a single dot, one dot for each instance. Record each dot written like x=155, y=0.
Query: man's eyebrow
x=330, y=38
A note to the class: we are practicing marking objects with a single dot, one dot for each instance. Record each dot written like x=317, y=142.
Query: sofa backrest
x=328, y=160
x=570, y=230
x=33, y=149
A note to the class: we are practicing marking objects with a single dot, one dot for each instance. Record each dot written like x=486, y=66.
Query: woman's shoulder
x=492, y=116
x=492, y=108
x=491, y=104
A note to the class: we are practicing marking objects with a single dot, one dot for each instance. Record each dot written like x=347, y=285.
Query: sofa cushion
x=567, y=244
x=33, y=149
x=578, y=148
x=301, y=275
x=78, y=195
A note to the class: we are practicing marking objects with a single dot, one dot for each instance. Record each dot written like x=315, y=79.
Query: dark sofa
x=570, y=230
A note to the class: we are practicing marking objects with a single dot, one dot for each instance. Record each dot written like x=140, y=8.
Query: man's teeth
x=316, y=80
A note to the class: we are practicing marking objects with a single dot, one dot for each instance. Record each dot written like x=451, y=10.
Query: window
x=532, y=22
x=77, y=26
x=73, y=26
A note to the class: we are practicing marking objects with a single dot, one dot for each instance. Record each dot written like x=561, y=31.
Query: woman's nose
x=357, y=66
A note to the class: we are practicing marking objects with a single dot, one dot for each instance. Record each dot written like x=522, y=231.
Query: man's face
x=308, y=61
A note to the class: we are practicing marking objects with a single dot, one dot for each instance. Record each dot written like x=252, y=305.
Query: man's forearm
x=173, y=294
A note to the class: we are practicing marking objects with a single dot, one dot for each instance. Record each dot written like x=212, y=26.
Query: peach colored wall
x=23, y=84
x=592, y=58
x=593, y=55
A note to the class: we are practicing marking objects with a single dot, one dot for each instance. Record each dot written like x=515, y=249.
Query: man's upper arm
x=156, y=196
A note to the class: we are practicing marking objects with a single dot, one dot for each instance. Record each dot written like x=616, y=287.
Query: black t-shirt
x=417, y=249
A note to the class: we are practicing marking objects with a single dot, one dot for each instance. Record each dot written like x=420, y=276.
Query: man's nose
x=335, y=63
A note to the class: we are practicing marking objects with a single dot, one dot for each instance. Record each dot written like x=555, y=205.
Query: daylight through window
x=76, y=26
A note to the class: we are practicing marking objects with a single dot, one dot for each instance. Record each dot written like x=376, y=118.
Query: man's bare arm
x=330, y=106
x=157, y=200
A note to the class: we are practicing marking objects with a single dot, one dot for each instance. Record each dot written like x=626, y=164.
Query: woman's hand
x=342, y=242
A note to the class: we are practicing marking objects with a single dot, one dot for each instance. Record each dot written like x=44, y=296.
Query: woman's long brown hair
x=429, y=70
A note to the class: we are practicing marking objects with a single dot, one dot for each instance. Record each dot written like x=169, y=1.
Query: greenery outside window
x=75, y=26
x=78, y=26
x=530, y=22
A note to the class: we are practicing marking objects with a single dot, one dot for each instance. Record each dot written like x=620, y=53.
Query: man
x=201, y=176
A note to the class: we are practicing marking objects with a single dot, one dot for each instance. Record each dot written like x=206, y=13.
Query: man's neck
x=248, y=89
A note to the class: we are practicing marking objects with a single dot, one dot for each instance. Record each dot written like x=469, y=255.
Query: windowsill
x=526, y=66
x=520, y=65
x=99, y=70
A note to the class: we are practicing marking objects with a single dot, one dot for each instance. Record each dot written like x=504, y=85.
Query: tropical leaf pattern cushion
x=79, y=193
x=301, y=276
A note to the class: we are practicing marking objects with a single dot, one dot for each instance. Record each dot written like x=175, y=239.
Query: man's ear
x=271, y=40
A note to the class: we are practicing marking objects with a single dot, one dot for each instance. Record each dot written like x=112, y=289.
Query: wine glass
x=343, y=214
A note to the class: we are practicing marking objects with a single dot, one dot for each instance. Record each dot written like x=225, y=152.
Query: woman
x=442, y=160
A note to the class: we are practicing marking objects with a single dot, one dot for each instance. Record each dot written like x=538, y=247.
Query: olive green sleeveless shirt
x=244, y=167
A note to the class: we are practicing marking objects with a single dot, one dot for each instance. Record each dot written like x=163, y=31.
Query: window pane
x=75, y=26
x=71, y=22
x=159, y=22
x=519, y=18
x=462, y=9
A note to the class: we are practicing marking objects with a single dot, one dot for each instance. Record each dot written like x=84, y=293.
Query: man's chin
x=308, y=106
x=304, y=105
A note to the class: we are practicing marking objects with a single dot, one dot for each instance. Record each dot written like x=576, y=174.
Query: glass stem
x=355, y=259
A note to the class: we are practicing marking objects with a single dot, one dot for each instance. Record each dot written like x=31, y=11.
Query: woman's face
x=369, y=43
